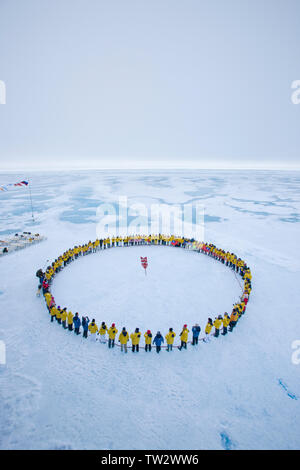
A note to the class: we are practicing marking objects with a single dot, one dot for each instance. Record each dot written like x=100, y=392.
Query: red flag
x=144, y=262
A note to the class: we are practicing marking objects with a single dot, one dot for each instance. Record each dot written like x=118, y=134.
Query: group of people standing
x=90, y=328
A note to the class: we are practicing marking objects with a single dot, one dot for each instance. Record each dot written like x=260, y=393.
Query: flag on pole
x=20, y=183
x=6, y=186
x=144, y=262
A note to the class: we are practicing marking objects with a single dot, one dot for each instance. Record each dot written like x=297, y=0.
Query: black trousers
x=217, y=331
x=70, y=327
x=85, y=333
x=76, y=330
x=52, y=317
x=147, y=347
x=182, y=345
x=64, y=324
x=111, y=343
x=195, y=340
x=135, y=347
x=158, y=348
x=169, y=347
x=232, y=325
x=224, y=330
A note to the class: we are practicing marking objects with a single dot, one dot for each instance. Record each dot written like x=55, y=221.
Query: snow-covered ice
x=241, y=391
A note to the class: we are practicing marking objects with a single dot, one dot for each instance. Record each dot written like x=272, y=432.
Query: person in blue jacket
x=85, y=325
x=196, y=331
x=158, y=340
x=77, y=323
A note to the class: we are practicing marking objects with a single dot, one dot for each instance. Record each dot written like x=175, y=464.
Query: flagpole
x=30, y=200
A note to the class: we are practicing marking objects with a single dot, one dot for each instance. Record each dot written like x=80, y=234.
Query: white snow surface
x=241, y=391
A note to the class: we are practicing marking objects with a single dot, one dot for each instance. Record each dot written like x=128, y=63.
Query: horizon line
x=134, y=166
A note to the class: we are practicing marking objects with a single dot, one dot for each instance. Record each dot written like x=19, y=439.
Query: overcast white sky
x=169, y=83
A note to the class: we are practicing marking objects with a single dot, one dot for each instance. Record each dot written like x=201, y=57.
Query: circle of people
x=90, y=328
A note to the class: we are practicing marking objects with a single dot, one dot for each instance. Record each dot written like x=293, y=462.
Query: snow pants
x=147, y=347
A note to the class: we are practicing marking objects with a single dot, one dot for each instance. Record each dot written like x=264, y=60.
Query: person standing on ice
x=196, y=331
x=217, y=324
x=184, y=337
x=53, y=312
x=85, y=325
x=208, y=328
x=64, y=317
x=70, y=321
x=48, y=298
x=233, y=319
x=170, y=339
x=158, y=340
x=58, y=314
x=45, y=287
x=123, y=339
x=112, y=335
x=226, y=321
x=93, y=328
x=135, y=339
x=102, y=332
x=77, y=323
x=40, y=275
x=148, y=340
x=245, y=298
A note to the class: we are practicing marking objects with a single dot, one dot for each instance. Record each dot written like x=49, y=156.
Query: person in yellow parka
x=135, y=340
x=170, y=339
x=184, y=337
x=93, y=328
x=53, y=312
x=208, y=329
x=48, y=298
x=226, y=321
x=64, y=317
x=58, y=314
x=112, y=335
x=102, y=332
x=148, y=340
x=217, y=324
x=233, y=319
x=70, y=321
x=123, y=339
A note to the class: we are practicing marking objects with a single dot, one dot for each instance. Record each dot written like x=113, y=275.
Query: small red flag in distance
x=144, y=262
